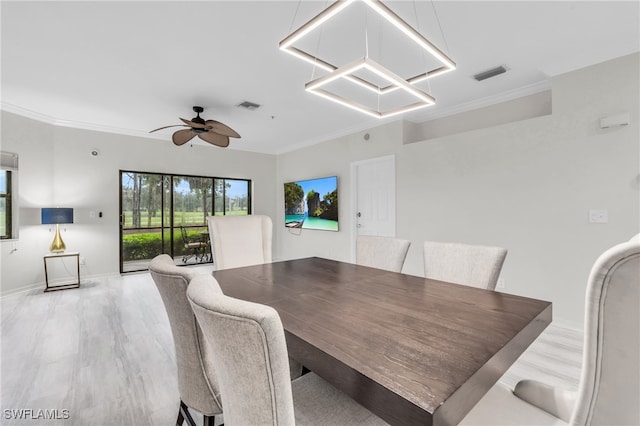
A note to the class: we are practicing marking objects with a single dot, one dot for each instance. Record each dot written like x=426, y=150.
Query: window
x=5, y=204
x=8, y=175
x=164, y=213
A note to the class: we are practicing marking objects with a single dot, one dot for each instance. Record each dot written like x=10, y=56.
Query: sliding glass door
x=162, y=213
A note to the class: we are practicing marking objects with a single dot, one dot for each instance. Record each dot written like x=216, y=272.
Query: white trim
x=506, y=96
x=434, y=113
x=24, y=112
x=84, y=280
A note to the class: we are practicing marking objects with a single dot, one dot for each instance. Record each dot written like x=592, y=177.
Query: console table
x=63, y=285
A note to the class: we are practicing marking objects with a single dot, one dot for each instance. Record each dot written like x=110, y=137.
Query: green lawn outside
x=180, y=218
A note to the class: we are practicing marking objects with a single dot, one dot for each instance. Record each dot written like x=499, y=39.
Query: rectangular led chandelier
x=376, y=5
x=315, y=87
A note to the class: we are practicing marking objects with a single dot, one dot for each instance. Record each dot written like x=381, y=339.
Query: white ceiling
x=129, y=67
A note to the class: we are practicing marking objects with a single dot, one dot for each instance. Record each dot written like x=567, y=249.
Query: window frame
x=167, y=209
x=8, y=197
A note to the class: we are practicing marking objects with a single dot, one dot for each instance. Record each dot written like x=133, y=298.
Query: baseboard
x=20, y=290
x=41, y=285
x=571, y=325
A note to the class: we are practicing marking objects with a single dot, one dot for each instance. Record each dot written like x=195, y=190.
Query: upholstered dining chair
x=240, y=240
x=381, y=252
x=256, y=386
x=609, y=388
x=472, y=265
x=197, y=380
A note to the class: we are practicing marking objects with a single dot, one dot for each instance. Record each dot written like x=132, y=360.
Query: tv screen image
x=312, y=204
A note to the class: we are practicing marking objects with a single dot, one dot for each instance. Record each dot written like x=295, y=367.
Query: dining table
x=414, y=351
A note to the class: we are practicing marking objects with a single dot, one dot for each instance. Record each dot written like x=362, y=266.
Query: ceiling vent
x=490, y=73
x=248, y=105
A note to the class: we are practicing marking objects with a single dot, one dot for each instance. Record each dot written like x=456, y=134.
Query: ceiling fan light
x=211, y=131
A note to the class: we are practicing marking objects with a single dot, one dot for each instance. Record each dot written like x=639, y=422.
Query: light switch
x=598, y=216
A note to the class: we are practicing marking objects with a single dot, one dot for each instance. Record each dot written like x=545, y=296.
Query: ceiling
x=129, y=67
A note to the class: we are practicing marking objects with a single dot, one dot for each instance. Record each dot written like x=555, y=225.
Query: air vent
x=248, y=105
x=490, y=73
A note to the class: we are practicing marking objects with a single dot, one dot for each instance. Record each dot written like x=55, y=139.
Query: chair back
x=240, y=240
x=197, y=381
x=381, y=252
x=472, y=265
x=252, y=363
x=609, y=390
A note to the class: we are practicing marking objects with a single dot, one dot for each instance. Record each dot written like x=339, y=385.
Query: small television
x=312, y=204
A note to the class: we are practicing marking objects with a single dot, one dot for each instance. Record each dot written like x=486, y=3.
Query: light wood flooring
x=104, y=352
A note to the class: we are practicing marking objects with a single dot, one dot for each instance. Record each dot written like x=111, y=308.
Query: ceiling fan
x=211, y=131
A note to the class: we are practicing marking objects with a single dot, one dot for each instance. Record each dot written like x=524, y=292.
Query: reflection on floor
x=104, y=352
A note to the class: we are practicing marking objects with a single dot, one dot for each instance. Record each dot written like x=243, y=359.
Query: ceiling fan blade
x=222, y=129
x=166, y=127
x=182, y=136
x=216, y=139
x=193, y=124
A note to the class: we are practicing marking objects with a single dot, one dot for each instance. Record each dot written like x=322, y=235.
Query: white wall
x=332, y=158
x=56, y=169
x=526, y=185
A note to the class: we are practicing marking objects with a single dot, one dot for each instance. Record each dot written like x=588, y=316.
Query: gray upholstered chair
x=240, y=240
x=472, y=265
x=253, y=366
x=609, y=388
x=197, y=380
x=381, y=252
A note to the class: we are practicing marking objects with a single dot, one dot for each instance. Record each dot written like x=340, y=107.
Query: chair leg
x=209, y=421
x=184, y=414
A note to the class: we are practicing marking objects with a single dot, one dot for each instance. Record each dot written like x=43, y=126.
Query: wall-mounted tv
x=312, y=204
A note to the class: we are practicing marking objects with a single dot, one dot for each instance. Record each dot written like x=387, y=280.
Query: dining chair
x=472, y=265
x=381, y=252
x=253, y=366
x=197, y=380
x=609, y=388
x=243, y=241
x=240, y=240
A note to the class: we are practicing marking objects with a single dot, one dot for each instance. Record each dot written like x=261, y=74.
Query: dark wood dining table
x=412, y=350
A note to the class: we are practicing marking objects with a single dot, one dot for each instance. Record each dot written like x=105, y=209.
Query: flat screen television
x=312, y=204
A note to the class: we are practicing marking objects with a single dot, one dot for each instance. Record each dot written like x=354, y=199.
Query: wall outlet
x=501, y=283
x=598, y=216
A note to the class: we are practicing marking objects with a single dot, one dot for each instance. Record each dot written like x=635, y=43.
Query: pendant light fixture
x=346, y=72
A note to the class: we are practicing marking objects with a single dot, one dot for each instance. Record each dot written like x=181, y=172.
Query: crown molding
x=435, y=114
x=24, y=112
x=505, y=96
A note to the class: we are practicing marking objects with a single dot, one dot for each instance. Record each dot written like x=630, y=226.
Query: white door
x=374, y=183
